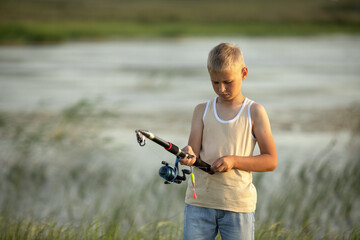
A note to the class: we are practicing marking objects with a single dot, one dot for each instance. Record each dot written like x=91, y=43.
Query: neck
x=238, y=100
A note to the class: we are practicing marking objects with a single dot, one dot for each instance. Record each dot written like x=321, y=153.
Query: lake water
x=283, y=73
x=290, y=76
x=307, y=85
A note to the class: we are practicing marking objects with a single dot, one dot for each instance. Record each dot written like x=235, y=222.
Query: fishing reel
x=171, y=174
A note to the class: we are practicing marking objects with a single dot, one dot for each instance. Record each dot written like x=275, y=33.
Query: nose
x=221, y=87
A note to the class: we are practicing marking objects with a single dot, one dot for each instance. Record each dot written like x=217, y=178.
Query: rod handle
x=203, y=166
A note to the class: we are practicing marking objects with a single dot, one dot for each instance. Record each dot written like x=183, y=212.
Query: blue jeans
x=204, y=223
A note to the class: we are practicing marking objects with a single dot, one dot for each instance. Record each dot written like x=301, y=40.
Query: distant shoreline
x=40, y=32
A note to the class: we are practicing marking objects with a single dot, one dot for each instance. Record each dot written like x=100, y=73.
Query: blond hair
x=224, y=57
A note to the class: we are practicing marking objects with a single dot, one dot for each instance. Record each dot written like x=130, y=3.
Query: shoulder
x=200, y=108
x=199, y=113
x=257, y=108
x=258, y=112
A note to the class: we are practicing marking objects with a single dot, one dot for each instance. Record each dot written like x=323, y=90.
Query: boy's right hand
x=189, y=161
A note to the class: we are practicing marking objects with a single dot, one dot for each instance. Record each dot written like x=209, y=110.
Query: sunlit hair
x=224, y=57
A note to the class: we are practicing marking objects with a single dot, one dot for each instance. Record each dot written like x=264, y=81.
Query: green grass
x=36, y=21
x=50, y=32
x=60, y=180
x=202, y=11
x=98, y=230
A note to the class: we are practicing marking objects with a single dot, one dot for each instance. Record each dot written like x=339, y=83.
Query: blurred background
x=38, y=21
x=78, y=77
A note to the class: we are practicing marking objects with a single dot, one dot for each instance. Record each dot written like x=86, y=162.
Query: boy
x=224, y=132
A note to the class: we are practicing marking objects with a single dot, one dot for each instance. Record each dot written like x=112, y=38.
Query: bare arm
x=195, y=138
x=267, y=160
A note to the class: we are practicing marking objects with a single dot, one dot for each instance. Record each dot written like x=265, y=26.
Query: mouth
x=224, y=95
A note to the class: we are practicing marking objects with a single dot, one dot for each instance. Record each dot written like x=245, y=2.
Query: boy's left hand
x=223, y=164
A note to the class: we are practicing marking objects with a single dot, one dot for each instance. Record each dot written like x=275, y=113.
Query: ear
x=244, y=73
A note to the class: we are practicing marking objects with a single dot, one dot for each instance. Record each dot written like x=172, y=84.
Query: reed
x=61, y=180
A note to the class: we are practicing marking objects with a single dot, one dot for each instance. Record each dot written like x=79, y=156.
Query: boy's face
x=227, y=84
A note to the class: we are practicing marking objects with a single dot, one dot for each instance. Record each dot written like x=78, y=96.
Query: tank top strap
x=206, y=109
x=250, y=103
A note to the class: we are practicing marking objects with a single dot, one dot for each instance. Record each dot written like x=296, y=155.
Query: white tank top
x=233, y=190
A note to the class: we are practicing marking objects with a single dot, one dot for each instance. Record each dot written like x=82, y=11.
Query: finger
x=182, y=162
x=216, y=168
x=216, y=164
x=191, y=161
x=219, y=169
x=187, y=161
x=187, y=149
x=220, y=166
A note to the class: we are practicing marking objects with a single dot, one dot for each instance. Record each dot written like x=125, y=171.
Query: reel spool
x=170, y=174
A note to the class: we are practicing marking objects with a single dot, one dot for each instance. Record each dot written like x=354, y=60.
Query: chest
x=227, y=113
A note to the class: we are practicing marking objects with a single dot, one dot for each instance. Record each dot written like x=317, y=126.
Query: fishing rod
x=170, y=174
